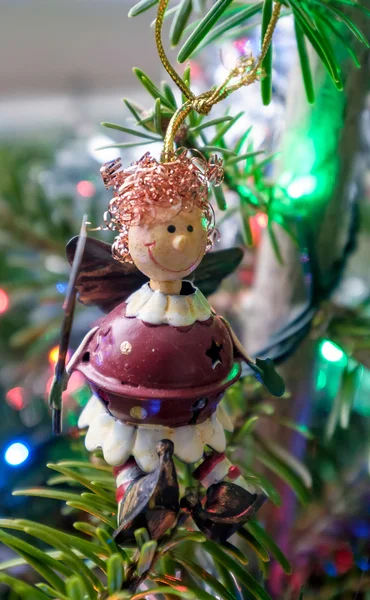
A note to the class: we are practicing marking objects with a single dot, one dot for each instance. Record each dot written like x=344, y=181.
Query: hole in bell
x=199, y=404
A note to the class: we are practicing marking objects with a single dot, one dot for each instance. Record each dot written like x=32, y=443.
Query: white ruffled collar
x=156, y=308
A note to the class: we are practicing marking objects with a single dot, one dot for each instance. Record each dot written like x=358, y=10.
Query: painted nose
x=179, y=243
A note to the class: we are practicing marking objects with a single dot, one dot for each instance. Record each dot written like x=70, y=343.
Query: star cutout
x=214, y=354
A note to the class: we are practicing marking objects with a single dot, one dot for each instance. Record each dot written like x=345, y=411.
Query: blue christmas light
x=363, y=563
x=62, y=287
x=330, y=569
x=16, y=454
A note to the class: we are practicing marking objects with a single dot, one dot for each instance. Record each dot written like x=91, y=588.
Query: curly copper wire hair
x=145, y=186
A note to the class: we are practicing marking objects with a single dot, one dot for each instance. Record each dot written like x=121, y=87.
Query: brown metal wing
x=214, y=267
x=102, y=280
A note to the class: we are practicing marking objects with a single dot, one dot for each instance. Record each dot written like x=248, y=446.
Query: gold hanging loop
x=162, y=6
x=247, y=70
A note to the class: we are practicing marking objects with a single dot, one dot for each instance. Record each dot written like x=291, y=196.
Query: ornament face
x=170, y=248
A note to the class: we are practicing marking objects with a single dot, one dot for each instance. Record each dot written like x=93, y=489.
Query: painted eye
x=190, y=228
x=171, y=229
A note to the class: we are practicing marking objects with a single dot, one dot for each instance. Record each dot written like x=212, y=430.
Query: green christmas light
x=302, y=186
x=331, y=352
x=321, y=380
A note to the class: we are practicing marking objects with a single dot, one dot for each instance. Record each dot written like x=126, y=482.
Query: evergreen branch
x=281, y=468
x=203, y=29
x=241, y=574
x=203, y=576
x=262, y=536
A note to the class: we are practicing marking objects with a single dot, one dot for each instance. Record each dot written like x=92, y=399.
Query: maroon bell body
x=158, y=374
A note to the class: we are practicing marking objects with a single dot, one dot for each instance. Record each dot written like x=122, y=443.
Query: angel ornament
x=159, y=363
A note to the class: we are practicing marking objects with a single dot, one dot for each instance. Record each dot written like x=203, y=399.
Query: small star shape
x=214, y=354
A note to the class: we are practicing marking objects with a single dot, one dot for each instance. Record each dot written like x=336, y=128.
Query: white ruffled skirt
x=118, y=440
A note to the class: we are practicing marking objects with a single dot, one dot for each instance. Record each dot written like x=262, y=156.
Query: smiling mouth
x=150, y=246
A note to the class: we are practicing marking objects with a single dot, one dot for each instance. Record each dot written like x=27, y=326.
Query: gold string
x=162, y=55
x=247, y=69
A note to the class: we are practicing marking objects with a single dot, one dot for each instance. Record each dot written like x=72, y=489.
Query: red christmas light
x=343, y=559
x=261, y=219
x=257, y=223
x=4, y=301
x=14, y=398
x=86, y=189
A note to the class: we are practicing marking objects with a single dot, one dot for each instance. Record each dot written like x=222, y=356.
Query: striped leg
x=229, y=503
x=216, y=467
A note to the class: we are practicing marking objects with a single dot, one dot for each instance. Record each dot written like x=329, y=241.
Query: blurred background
x=65, y=68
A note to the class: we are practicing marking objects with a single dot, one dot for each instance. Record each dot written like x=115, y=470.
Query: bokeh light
x=302, y=186
x=331, y=352
x=4, y=301
x=14, y=398
x=16, y=454
x=86, y=189
x=54, y=355
x=262, y=219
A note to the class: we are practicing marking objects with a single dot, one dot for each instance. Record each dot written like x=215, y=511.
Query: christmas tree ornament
x=159, y=363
